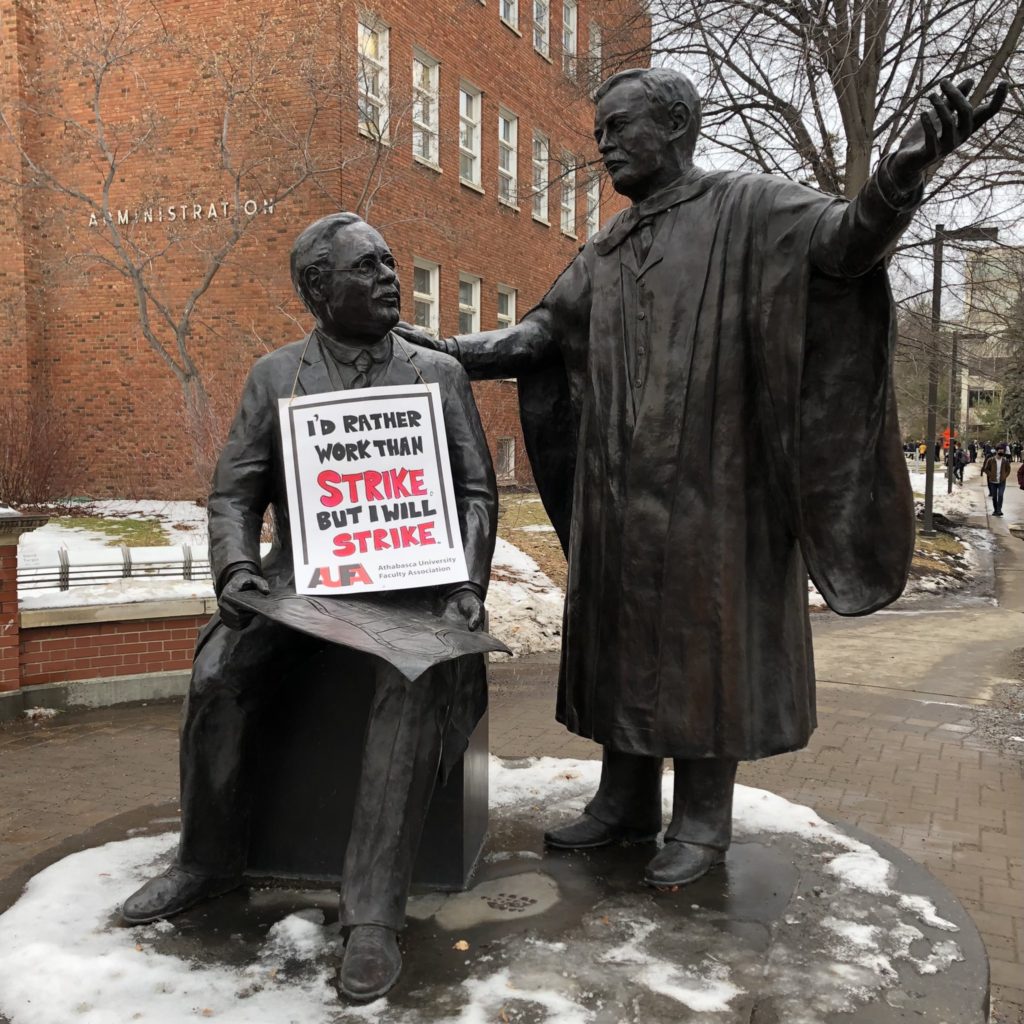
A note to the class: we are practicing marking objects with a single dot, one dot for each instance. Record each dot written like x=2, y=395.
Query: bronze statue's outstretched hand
x=951, y=121
x=418, y=336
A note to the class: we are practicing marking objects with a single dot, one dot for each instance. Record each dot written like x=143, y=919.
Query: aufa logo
x=340, y=576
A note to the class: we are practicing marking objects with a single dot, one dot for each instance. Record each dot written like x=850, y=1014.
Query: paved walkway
x=901, y=751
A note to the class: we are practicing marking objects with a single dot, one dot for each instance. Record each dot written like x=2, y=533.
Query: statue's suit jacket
x=249, y=478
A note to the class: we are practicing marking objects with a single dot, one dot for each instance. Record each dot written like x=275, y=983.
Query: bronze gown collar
x=623, y=226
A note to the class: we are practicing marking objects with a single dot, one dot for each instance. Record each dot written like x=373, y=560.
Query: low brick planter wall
x=66, y=644
x=91, y=655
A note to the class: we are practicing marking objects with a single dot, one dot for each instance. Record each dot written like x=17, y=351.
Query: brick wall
x=498, y=402
x=10, y=673
x=77, y=330
x=53, y=654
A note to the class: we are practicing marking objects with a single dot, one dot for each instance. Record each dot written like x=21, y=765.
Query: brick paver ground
x=919, y=776
x=908, y=763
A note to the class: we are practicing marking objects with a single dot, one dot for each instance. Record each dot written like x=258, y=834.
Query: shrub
x=36, y=463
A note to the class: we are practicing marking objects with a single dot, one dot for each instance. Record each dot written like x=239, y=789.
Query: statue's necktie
x=362, y=364
x=644, y=238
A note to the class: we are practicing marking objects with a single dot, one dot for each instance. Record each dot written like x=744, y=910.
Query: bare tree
x=259, y=107
x=819, y=89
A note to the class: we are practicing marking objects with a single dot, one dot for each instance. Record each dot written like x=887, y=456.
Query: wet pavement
x=779, y=933
x=901, y=752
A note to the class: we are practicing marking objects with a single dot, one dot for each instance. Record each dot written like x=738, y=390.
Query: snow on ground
x=65, y=957
x=128, y=591
x=184, y=522
x=525, y=606
x=967, y=499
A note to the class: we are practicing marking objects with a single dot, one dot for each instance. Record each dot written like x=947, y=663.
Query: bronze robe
x=725, y=413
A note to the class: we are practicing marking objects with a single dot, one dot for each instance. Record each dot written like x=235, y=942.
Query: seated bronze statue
x=345, y=274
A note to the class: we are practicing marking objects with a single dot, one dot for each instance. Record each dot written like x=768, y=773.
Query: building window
x=541, y=26
x=425, y=75
x=594, y=55
x=593, y=205
x=569, y=36
x=469, y=134
x=506, y=306
x=510, y=13
x=505, y=468
x=540, y=177
x=373, y=80
x=508, y=157
x=469, y=304
x=568, y=208
x=424, y=295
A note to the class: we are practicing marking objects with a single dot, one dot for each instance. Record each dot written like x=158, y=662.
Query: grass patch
x=941, y=555
x=135, y=533
x=516, y=513
x=940, y=544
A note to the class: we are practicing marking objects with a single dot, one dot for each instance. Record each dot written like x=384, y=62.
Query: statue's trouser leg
x=702, y=802
x=401, y=757
x=630, y=791
x=232, y=674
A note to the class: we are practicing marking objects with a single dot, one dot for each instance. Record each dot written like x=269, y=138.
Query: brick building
x=154, y=148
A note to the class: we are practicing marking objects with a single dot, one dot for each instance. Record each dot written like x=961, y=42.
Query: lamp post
x=970, y=234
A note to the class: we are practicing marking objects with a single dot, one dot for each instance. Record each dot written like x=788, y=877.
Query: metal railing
x=67, y=573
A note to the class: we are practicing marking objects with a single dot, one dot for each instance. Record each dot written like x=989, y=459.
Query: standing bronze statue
x=707, y=402
x=346, y=276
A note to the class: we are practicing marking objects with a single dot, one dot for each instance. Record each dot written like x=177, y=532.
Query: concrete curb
x=94, y=693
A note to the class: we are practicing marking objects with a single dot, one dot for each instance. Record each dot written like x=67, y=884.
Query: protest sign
x=370, y=494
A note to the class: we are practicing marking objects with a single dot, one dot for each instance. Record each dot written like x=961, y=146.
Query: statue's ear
x=680, y=118
x=312, y=282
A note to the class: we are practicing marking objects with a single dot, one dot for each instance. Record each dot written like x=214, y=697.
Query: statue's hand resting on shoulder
x=418, y=336
x=951, y=121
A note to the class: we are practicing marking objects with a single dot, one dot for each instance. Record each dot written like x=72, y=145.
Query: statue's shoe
x=678, y=863
x=586, y=832
x=372, y=962
x=175, y=890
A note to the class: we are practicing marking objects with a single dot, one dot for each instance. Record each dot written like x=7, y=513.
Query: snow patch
x=130, y=591
x=524, y=605
x=704, y=993
x=40, y=714
x=65, y=958
x=925, y=911
x=864, y=870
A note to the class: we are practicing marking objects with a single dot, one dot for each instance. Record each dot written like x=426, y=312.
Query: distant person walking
x=972, y=449
x=996, y=469
x=960, y=460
